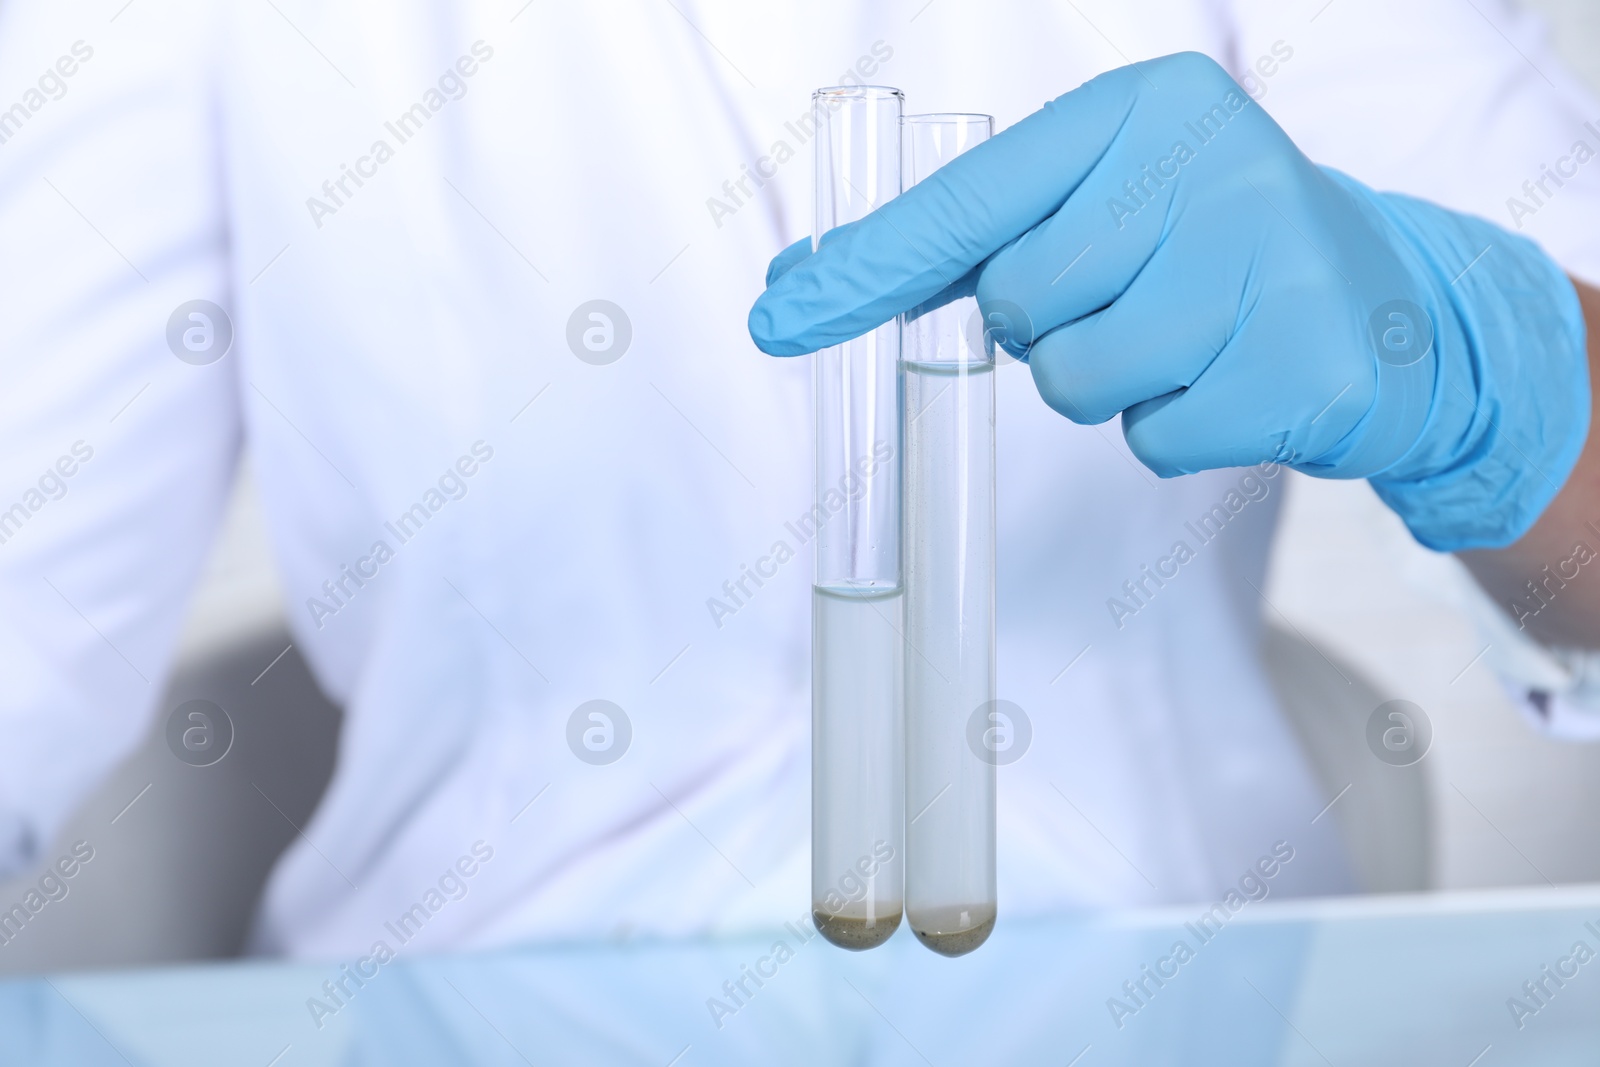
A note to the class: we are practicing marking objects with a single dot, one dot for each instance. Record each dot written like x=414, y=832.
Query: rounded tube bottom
x=857, y=934
x=957, y=930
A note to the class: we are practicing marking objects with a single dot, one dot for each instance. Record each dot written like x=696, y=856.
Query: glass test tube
x=950, y=599
x=857, y=665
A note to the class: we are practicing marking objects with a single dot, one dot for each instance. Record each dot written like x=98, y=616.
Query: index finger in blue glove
x=935, y=233
x=785, y=261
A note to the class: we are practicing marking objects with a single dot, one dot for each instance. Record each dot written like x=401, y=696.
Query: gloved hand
x=1154, y=244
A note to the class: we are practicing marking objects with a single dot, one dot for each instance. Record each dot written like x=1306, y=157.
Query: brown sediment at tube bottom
x=855, y=934
x=944, y=931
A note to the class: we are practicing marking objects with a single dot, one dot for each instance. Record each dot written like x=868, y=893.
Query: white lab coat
x=596, y=151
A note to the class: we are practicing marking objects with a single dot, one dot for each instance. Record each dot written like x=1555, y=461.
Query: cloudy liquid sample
x=947, y=363
x=857, y=740
x=949, y=545
x=857, y=712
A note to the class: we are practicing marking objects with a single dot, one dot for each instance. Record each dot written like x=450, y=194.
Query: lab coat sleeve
x=1557, y=690
x=115, y=456
x=1464, y=104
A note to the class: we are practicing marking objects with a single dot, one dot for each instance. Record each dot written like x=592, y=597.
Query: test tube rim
x=864, y=92
x=931, y=117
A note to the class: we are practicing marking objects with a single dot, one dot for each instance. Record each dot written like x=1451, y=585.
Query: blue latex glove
x=1154, y=244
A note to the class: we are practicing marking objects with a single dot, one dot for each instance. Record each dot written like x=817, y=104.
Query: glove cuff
x=1510, y=410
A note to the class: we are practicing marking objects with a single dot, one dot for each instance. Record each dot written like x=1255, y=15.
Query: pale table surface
x=1408, y=981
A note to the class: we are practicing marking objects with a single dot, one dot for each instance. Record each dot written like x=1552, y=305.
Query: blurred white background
x=1507, y=807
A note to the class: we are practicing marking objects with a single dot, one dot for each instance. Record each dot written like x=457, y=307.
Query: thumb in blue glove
x=1155, y=245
